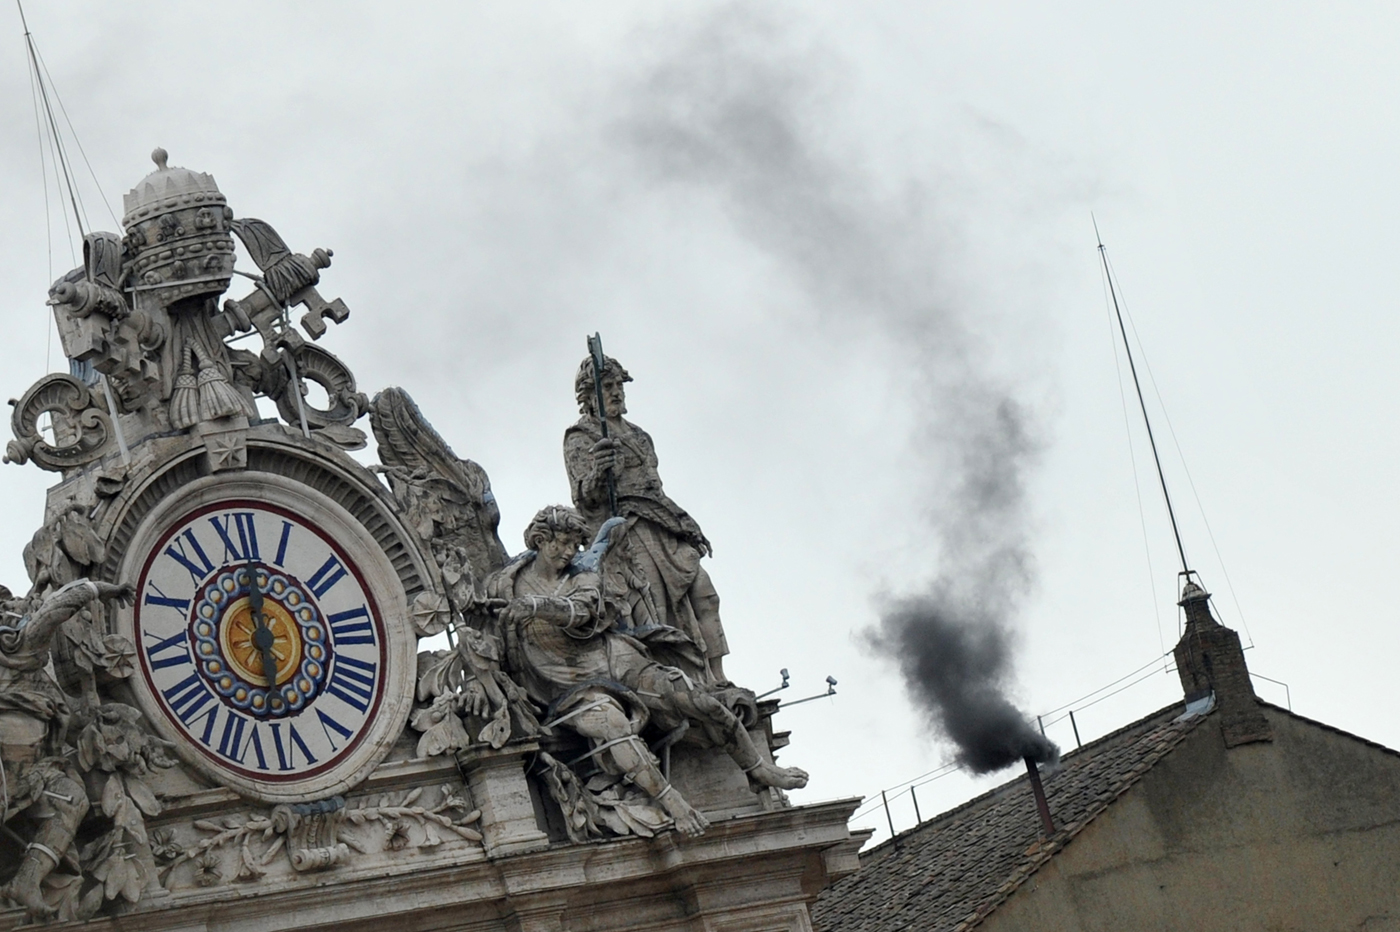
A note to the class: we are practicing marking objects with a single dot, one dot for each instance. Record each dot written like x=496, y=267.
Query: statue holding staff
x=607, y=457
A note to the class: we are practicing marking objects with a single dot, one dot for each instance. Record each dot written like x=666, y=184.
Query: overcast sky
x=809, y=230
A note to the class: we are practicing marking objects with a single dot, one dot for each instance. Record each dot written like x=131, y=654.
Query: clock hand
x=262, y=635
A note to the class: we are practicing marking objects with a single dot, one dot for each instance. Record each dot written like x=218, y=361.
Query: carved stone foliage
x=469, y=698
x=601, y=805
x=316, y=836
x=60, y=747
x=63, y=550
x=81, y=430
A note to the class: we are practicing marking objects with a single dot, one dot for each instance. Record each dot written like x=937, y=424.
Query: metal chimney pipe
x=1038, y=790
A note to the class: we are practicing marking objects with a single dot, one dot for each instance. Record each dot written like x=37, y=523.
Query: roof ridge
x=1332, y=728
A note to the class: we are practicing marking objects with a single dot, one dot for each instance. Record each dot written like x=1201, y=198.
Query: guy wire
x=1132, y=367
x=1190, y=480
x=1137, y=485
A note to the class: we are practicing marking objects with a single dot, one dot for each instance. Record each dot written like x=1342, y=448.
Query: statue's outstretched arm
x=59, y=606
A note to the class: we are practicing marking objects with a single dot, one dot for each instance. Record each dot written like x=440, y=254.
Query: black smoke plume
x=732, y=109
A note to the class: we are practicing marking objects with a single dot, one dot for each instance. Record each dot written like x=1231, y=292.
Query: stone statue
x=659, y=565
x=563, y=647
x=447, y=500
x=141, y=323
x=34, y=716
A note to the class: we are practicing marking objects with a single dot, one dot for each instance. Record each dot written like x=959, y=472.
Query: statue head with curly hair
x=556, y=521
x=613, y=377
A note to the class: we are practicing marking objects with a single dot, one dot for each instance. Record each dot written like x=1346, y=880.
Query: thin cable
x=43, y=170
x=1137, y=486
x=1171, y=430
x=873, y=807
x=53, y=123
x=48, y=217
x=1075, y=703
x=1171, y=513
x=1140, y=679
x=79, y=143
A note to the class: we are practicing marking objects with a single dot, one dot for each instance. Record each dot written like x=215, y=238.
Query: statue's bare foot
x=30, y=898
x=784, y=778
x=689, y=821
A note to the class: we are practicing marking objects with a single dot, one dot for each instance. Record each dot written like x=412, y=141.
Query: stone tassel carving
x=184, y=397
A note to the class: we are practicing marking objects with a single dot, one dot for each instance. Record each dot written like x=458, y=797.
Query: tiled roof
x=949, y=873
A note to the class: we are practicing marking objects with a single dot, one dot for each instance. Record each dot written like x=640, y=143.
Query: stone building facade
x=217, y=707
x=1226, y=814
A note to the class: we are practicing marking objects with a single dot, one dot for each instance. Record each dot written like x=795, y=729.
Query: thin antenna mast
x=54, y=135
x=60, y=155
x=1161, y=477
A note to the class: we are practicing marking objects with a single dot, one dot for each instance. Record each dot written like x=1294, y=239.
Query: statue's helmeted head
x=178, y=239
x=583, y=382
x=554, y=521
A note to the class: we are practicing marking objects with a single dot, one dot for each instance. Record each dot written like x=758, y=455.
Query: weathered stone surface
x=256, y=742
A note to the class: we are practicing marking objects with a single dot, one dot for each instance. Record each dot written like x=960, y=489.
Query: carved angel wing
x=446, y=498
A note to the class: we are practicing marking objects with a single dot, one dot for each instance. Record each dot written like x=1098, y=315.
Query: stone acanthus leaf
x=318, y=836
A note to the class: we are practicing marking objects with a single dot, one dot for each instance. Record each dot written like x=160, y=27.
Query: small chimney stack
x=1042, y=805
x=1210, y=660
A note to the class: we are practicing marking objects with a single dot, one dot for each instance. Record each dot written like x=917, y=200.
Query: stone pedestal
x=509, y=824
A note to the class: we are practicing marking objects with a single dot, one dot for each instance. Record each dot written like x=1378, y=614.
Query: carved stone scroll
x=311, y=830
x=82, y=428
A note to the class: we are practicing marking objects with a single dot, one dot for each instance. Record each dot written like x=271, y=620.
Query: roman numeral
x=234, y=746
x=328, y=725
x=241, y=523
x=286, y=755
x=160, y=598
x=330, y=573
x=187, y=697
x=282, y=544
x=176, y=642
x=352, y=627
x=352, y=681
x=177, y=551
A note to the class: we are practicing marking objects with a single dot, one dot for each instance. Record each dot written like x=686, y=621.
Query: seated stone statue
x=34, y=713
x=563, y=647
x=659, y=565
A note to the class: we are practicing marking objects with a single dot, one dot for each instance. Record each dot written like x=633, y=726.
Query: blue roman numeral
x=233, y=744
x=330, y=573
x=281, y=558
x=177, y=551
x=328, y=725
x=286, y=754
x=160, y=598
x=352, y=681
x=246, y=547
x=176, y=642
x=352, y=627
x=187, y=697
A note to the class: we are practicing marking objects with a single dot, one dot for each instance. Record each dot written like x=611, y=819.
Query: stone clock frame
x=316, y=488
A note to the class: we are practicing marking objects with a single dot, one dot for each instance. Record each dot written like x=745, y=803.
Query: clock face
x=263, y=643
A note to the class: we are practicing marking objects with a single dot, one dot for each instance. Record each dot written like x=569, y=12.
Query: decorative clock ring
x=223, y=631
